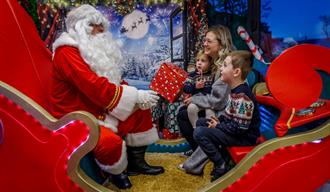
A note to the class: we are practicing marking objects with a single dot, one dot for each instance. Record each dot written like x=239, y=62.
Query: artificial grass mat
x=172, y=180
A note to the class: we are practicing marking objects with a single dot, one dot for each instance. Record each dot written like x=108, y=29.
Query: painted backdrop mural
x=144, y=37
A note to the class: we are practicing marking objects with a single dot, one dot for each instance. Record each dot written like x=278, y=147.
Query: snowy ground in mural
x=144, y=36
x=138, y=83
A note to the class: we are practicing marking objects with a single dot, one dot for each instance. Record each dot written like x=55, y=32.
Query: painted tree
x=325, y=19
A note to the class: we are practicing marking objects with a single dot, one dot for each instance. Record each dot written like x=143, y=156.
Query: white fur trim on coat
x=119, y=166
x=110, y=122
x=126, y=103
x=142, y=138
x=65, y=39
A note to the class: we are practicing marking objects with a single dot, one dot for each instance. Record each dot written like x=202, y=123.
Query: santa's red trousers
x=108, y=150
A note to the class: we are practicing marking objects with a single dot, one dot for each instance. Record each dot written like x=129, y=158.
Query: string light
x=198, y=21
x=115, y=3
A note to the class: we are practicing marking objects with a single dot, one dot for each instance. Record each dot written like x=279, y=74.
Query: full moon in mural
x=135, y=25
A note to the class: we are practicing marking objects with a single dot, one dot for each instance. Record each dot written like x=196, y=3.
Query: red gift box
x=168, y=81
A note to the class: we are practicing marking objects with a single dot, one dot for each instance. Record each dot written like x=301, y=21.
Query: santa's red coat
x=75, y=86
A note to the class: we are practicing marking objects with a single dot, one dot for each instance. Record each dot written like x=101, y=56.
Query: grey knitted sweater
x=216, y=100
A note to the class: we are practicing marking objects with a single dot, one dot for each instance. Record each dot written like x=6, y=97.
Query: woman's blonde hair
x=224, y=38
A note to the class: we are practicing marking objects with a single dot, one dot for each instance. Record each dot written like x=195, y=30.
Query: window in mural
x=177, y=49
x=177, y=36
x=177, y=24
x=144, y=36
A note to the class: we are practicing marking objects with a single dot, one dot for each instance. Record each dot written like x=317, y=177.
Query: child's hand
x=186, y=95
x=200, y=83
x=187, y=101
x=200, y=72
x=212, y=123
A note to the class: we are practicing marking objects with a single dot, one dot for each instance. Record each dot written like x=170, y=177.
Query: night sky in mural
x=144, y=36
x=298, y=19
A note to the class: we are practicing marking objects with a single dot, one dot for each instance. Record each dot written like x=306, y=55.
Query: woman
x=217, y=44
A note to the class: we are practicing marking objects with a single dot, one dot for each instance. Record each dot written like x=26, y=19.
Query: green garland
x=31, y=8
x=122, y=7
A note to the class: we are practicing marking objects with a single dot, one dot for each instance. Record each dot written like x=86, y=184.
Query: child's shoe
x=186, y=153
x=218, y=171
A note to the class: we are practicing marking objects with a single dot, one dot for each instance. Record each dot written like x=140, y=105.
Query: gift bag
x=170, y=120
x=168, y=81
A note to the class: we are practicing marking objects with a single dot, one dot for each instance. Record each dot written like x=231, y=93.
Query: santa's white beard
x=102, y=53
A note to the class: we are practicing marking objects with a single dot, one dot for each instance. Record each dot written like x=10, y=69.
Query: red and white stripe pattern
x=246, y=37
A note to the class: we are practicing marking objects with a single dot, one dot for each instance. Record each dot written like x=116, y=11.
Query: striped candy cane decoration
x=245, y=36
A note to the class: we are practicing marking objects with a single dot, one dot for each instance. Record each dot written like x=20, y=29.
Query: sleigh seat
x=38, y=152
x=293, y=112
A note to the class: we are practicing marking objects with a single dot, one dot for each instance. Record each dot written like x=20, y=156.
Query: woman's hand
x=212, y=123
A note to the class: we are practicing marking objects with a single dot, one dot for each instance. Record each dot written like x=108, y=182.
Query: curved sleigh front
x=37, y=151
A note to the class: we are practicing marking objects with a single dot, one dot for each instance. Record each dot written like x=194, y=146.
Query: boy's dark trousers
x=214, y=141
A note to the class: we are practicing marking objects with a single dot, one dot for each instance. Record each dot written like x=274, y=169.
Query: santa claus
x=86, y=76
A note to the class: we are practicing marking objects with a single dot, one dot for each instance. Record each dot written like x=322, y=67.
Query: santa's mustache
x=99, y=37
x=104, y=35
x=103, y=55
x=102, y=42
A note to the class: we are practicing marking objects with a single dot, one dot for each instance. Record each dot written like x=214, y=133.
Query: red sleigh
x=37, y=151
x=296, y=162
x=41, y=153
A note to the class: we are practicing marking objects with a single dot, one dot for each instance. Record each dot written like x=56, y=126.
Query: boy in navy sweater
x=239, y=123
x=200, y=82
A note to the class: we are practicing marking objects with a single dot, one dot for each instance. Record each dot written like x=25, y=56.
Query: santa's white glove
x=144, y=106
x=147, y=99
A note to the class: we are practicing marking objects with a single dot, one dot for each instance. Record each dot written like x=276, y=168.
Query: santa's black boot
x=137, y=164
x=121, y=181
